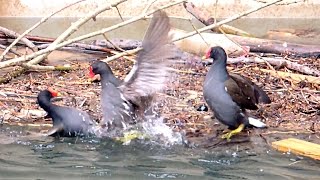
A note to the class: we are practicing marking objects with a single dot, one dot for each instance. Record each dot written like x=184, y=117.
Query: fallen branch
x=15, y=35
x=73, y=28
x=47, y=68
x=277, y=62
x=20, y=70
x=15, y=73
x=295, y=77
x=44, y=19
x=72, y=48
x=205, y=18
x=125, y=44
x=232, y=18
x=10, y=50
x=277, y=47
x=82, y=47
x=256, y=44
x=31, y=38
x=75, y=46
x=129, y=52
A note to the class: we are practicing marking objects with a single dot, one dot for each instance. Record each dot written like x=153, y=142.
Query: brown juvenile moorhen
x=67, y=121
x=229, y=95
x=123, y=101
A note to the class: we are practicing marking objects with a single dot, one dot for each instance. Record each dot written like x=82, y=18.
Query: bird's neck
x=107, y=78
x=218, y=71
x=45, y=103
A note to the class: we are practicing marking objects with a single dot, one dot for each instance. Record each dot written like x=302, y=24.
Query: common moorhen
x=123, y=102
x=67, y=121
x=229, y=95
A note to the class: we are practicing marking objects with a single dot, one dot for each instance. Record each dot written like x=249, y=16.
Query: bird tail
x=262, y=96
x=256, y=123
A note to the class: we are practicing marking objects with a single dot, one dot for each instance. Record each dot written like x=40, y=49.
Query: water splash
x=161, y=133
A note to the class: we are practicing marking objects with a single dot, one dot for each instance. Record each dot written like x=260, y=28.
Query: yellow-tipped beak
x=95, y=78
x=59, y=94
x=204, y=57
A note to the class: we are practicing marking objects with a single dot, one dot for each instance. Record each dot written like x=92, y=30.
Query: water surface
x=22, y=157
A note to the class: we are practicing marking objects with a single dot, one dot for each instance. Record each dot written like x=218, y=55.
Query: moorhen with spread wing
x=123, y=102
x=229, y=95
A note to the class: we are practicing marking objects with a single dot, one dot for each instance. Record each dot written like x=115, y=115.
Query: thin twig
x=114, y=45
x=10, y=50
x=148, y=6
x=119, y=13
x=73, y=28
x=15, y=35
x=194, y=28
x=304, y=97
x=54, y=47
x=215, y=11
x=117, y=47
x=233, y=18
x=236, y=43
x=133, y=51
x=284, y=3
x=44, y=19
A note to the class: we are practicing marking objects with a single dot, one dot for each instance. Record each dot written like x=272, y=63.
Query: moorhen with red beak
x=67, y=121
x=229, y=95
x=123, y=102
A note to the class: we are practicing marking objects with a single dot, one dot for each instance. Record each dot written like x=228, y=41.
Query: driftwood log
x=105, y=46
x=256, y=44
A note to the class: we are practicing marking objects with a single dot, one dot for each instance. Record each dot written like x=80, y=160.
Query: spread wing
x=241, y=91
x=152, y=61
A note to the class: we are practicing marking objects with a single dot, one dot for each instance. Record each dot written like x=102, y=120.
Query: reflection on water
x=77, y=158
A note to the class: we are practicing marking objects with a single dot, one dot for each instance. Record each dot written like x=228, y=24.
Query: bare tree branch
x=235, y=17
x=44, y=19
x=15, y=35
x=73, y=28
x=19, y=60
x=276, y=62
x=10, y=50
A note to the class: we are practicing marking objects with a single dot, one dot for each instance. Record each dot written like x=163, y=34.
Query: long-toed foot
x=233, y=132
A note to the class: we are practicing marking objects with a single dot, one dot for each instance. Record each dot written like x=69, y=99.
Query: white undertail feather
x=256, y=123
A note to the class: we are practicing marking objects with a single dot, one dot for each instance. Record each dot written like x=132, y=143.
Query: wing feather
x=152, y=63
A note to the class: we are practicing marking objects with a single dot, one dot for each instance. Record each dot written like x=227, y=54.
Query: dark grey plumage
x=228, y=96
x=124, y=102
x=67, y=121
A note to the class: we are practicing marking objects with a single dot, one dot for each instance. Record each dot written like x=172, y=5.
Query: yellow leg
x=233, y=132
x=128, y=136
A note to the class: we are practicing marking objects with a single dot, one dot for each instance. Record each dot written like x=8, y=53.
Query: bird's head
x=99, y=67
x=53, y=92
x=215, y=53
